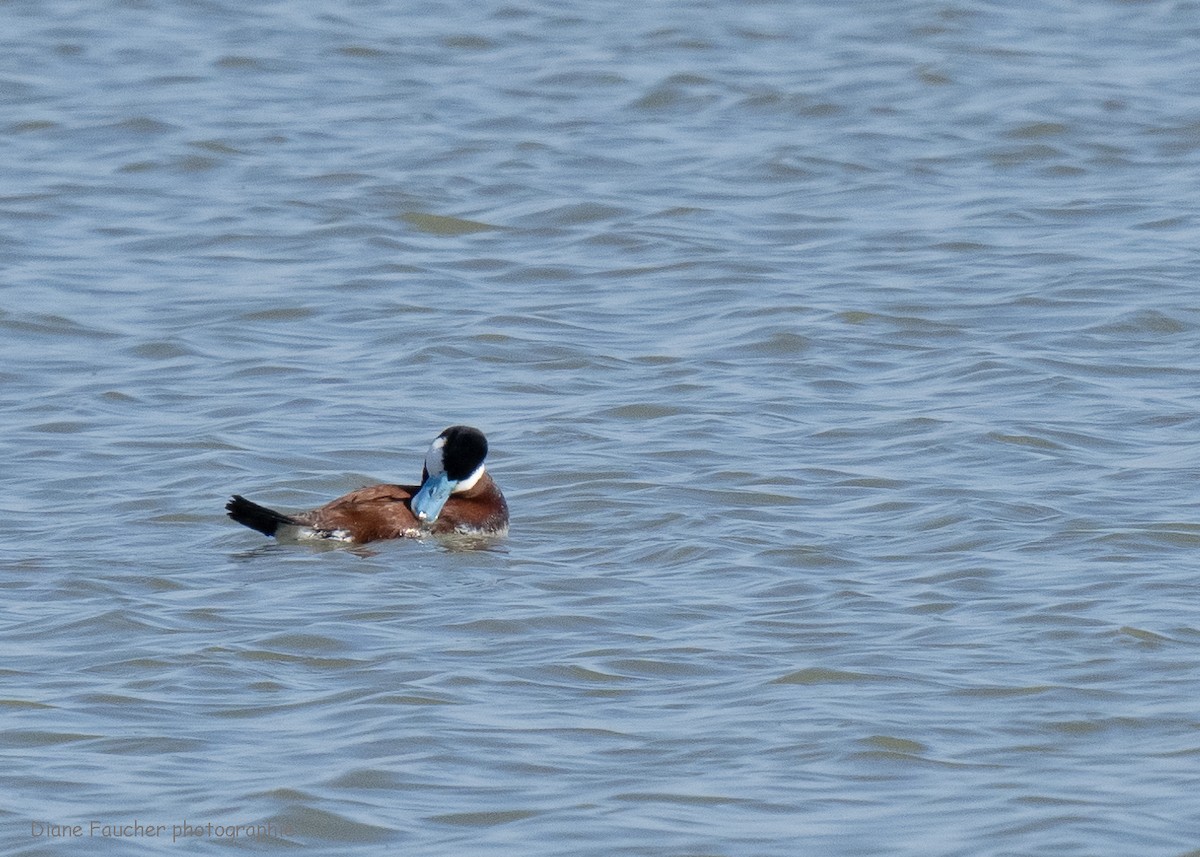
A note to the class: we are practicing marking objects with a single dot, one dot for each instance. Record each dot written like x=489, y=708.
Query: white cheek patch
x=433, y=458
x=469, y=483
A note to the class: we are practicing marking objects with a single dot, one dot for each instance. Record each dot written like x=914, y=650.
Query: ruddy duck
x=456, y=495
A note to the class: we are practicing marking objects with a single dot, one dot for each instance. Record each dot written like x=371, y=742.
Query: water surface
x=839, y=365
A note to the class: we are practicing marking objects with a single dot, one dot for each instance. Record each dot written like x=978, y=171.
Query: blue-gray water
x=839, y=363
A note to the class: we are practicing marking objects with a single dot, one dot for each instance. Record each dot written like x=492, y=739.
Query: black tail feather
x=256, y=517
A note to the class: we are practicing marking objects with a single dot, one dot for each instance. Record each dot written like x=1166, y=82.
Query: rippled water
x=839, y=364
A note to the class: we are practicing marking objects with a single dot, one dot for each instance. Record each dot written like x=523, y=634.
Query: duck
x=456, y=495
